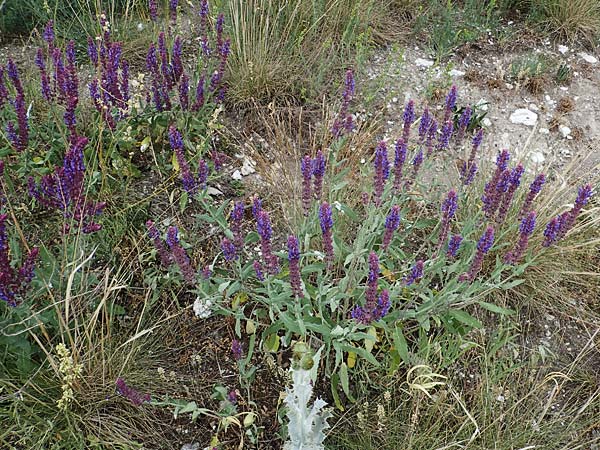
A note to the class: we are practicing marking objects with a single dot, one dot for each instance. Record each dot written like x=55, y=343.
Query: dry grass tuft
x=572, y=19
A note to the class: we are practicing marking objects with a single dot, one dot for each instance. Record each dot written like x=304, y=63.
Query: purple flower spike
x=258, y=270
x=48, y=34
x=416, y=273
x=483, y=246
x=202, y=174
x=454, y=245
x=490, y=195
x=392, y=222
x=399, y=160
x=372, y=281
x=343, y=121
x=513, y=183
x=534, y=189
x=130, y=393
x=431, y=134
x=256, y=206
x=424, y=125
x=307, y=171
x=271, y=262
x=417, y=162
x=153, y=9
x=382, y=171
x=463, y=123
x=318, y=170
x=444, y=140
x=176, y=141
x=409, y=118
x=450, y=103
x=165, y=257
x=236, y=349
x=326, y=223
x=583, y=196
x=469, y=176
x=551, y=231
x=173, y=10
x=294, y=264
x=449, y=206
x=204, y=27
x=526, y=230
x=179, y=255
x=229, y=250
x=3, y=89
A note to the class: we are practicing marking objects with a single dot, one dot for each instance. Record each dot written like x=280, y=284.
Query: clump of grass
x=570, y=19
x=530, y=71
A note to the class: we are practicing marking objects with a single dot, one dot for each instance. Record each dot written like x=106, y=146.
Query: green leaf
x=496, y=309
x=465, y=318
x=335, y=380
x=183, y=201
x=400, y=345
x=345, y=381
x=272, y=343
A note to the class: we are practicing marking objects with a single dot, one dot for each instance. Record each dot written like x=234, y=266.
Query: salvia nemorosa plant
x=340, y=270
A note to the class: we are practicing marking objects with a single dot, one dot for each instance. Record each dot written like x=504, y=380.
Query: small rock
x=563, y=49
x=544, y=131
x=534, y=107
x=424, y=62
x=395, y=99
x=524, y=116
x=564, y=130
x=456, y=73
x=194, y=446
x=213, y=191
x=588, y=58
x=486, y=122
x=237, y=175
x=537, y=157
x=248, y=166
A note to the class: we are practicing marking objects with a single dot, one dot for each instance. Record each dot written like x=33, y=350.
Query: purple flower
x=236, y=349
x=204, y=27
x=176, y=141
x=382, y=170
x=399, y=160
x=490, y=195
x=372, y=281
x=318, y=170
x=176, y=59
x=173, y=10
x=206, y=273
x=130, y=393
x=551, y=231
x=199, y=102
x=45, y=79
x=417, y=162
x=584, y=194
x=534, y=189
x=48, y=34
x=424, y=124
x=229, y=250
x=265, y=232
x=526, y=230
x=344, y=120
x=416, y=273
x=444, y=140
x=431, y=134
x=256, y=206
x=294, y=263
x=450, y=103
x=454, y=245
x=165, y=257
x=153, y=9
x=469, y=175
x=449, y=206
x=179, y=255
x=392, y=222
x=184, y=92
x=463, y=123
x=513, y=183
x=307, y=171
x=219, y=29
x=258, y=270
x=3, y=89
x=483, y=246
x=409, y=117
x=326, y=223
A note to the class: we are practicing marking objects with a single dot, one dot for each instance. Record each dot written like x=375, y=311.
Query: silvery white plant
x=202, y=308
x=307, y=424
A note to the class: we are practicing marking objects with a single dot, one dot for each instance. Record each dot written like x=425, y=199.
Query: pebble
x=424, y=62
x=486, y=122
x=524, y=116
x=456, y=73
x=236, y=175
x=544, y=131
x=537, y=157
x=563, y=49
x=588, y=58
x=564, y=130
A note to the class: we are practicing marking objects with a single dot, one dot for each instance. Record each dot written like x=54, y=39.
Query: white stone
x=395, y=99
x=482, y=104
x=213, y=191
x=544, y=131
x=486, y=122
x=456, y=73
x=237, y=175
x=564, y=130
x=523, y=116
x=563, y=49
x=424, y=62
x=248, y=166
x=537, y=157
x=588, y=58
x=534, y=107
